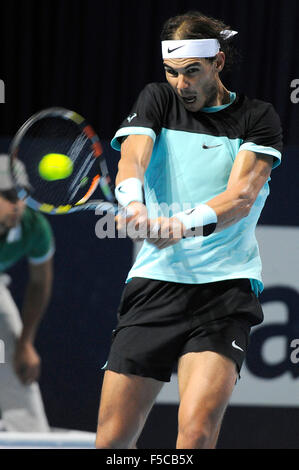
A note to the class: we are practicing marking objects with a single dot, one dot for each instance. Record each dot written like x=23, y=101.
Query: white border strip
x=261, y=149
x=125, y=131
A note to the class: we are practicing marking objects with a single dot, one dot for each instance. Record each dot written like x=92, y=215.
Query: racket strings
x=54, y=135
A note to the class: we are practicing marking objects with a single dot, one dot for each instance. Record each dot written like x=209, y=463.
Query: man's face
x=10, y=213
x=195, y=81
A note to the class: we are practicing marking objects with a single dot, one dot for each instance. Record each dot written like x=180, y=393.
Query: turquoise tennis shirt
x=191, y=163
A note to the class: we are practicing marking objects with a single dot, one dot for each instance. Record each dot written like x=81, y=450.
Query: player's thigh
x=209, y=366
x=126, y=401
x=206, y=381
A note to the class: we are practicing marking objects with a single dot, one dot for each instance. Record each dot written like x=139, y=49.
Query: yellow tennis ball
x=55, y=166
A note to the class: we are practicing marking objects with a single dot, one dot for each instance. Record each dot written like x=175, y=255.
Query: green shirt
x=32, y=238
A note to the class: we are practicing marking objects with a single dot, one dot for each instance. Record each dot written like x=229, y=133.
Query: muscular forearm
x=135, y=155
x=231, y=206
x=130, y=168
x=249, y=174
x=221, y=212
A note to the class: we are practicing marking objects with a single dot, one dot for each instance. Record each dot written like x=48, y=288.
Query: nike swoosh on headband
x=172, y=50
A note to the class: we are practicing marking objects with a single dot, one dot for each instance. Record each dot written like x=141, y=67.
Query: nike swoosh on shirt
x=234, y=345
x=130, y=118
x=210, y=146
x=175, y=49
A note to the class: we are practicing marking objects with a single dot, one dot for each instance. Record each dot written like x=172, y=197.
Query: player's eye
x=171, y=72
x=192, y=71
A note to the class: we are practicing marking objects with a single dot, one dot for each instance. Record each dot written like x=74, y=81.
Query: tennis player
x=23, y=233
x=190, y=300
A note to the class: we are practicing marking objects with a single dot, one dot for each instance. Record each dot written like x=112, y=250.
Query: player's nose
x=182, y=83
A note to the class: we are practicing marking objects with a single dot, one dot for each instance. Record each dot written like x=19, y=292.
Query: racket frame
x=102, y=179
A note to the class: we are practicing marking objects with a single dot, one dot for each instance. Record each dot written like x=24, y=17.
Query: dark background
x=94, y=57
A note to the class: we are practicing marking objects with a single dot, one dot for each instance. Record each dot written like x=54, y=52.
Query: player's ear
x=219, y=62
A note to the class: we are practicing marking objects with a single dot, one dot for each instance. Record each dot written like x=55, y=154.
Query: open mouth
x=189, y=99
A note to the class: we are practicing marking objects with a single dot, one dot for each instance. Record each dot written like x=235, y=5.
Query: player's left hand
x=165, y=232
x=27, y=362
x=133, y=221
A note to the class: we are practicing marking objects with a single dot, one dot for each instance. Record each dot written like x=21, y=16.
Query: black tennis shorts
x=159, y=321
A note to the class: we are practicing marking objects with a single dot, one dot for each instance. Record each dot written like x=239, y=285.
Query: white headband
x=188, y=48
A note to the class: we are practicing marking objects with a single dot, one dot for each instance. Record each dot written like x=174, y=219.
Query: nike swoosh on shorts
x=234, y=345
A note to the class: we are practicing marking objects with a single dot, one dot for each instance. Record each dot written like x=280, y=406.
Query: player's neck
x=218, y=95
x=223, y=95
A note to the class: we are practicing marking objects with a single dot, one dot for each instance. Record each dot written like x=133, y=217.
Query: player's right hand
x=133, y=221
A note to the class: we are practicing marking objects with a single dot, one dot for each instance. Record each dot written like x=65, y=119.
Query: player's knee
x=112, y=438
x=194, y=438
x=103, y=443
x=196, y=432
x=111, y=442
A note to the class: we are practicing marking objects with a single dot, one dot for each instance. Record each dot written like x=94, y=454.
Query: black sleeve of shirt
x=149, y=108
x=264, y=127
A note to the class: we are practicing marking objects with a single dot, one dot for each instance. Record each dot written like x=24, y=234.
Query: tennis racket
x=60, y=135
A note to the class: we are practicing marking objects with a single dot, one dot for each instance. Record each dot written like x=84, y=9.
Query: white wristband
x=128, y=191
x=200, y=216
